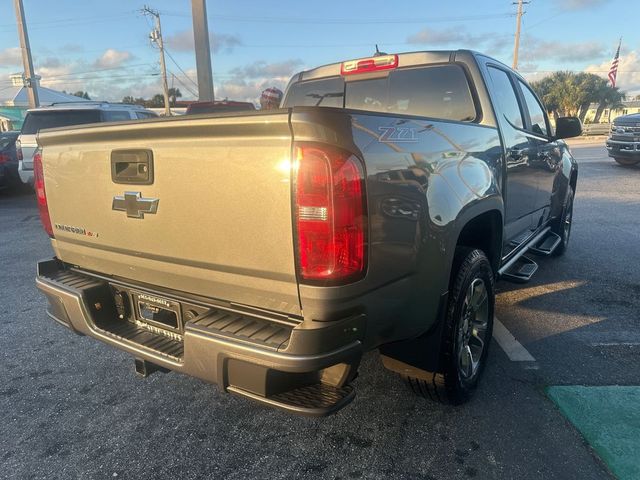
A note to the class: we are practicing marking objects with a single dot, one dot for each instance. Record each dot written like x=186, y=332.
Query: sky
x=103, y=46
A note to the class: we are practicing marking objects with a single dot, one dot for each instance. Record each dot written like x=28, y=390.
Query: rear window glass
x=36, y=121
x=437, y=91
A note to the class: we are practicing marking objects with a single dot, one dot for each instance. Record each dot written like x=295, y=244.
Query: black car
x=8, y=159
x=623, y=144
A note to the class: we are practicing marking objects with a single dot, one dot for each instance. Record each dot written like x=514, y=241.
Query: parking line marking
x=615, y=344
x=512, y=347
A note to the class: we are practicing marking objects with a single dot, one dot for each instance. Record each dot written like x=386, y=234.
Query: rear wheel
x=626, y=162
x=467, y=331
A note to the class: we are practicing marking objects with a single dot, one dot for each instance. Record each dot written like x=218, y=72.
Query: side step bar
x=547, y=245
x=520, y=269
x=317, y=400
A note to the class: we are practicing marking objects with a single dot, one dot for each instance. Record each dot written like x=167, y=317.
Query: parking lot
x=74, y=406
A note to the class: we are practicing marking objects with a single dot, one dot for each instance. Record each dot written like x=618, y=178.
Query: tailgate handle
x=132, y=167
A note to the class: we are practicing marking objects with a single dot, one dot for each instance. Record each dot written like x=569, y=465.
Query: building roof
x=17, y=96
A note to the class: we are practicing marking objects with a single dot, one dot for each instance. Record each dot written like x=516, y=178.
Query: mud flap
x=421, y=353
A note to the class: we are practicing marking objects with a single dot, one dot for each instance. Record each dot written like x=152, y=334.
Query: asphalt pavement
x=73, y=408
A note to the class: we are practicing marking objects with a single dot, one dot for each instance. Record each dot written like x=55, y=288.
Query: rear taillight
x=4, y=158
x=331, y=217
x=19, y=155
x=41, y=194
x=368, y=65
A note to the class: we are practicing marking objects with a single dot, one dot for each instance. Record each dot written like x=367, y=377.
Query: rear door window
x=36, y=121
x=505, y=97
x=116, y=115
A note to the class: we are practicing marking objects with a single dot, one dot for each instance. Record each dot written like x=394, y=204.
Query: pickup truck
x=267, y=251
x=623, y=144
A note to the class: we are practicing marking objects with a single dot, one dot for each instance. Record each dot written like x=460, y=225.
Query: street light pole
x=203, y=51
x=30, y=81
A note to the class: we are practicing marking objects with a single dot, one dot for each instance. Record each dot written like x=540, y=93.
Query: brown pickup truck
x=266, y=251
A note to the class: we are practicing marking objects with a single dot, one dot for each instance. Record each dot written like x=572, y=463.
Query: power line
x=183, y=85
x=179, y=68
x=361, y=21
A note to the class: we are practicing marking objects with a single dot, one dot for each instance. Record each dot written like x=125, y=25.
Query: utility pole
x=30, y=80
x=156, y=37
x=516, y=47
x=203, y=51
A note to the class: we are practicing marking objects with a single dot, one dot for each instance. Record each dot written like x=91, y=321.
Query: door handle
x=132, y=167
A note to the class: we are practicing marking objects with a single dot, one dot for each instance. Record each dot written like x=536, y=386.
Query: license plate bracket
x=158, y=311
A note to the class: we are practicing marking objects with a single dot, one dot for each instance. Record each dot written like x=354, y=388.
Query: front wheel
x=467, y=332
x=626, y=162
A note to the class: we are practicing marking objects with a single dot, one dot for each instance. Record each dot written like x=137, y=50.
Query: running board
x=520, y=269
x=547, y=246
x=317, y=400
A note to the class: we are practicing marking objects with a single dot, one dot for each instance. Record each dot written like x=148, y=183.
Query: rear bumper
x=242, y=364
x=25, y=173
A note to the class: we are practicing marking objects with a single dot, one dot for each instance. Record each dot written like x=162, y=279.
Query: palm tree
x=174, y=93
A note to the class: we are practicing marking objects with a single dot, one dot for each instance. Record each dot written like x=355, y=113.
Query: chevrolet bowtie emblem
x=134, y=204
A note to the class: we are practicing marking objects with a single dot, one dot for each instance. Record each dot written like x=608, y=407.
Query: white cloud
x=628, y=79
x=113, y=58
x=440, y=37
x=262, y=69
x=573, y=5
x=535, y=49
x=183, y=41
x=10, y=56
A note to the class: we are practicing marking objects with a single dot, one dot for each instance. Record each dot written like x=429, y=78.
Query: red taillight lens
x=41, y=194
x=367, y=65
x=19, y=155
x=331, y=216
x=4, y=158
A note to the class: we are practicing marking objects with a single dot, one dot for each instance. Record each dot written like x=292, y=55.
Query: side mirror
x=567, y=127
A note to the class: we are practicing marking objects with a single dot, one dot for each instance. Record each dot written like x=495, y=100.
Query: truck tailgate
x=223, y=226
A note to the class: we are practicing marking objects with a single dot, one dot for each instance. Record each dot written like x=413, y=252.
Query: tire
x=464, y=349
x=562, y=226
x=626, y=162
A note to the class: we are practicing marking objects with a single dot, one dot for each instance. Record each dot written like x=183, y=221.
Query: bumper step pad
x=316, y=400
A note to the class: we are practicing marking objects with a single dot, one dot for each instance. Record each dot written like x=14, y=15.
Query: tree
x=157, y=100
x=570, y=94
x=128, y=99
x=174, y=93
x=82, y=94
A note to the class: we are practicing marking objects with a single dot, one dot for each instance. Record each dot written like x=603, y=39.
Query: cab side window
x=505, y=97
x=536, y=112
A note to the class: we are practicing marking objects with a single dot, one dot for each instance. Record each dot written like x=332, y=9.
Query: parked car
x=266, y=251
x=64, y=115
x=219, y=106
x=623, y=144
x=8, y=159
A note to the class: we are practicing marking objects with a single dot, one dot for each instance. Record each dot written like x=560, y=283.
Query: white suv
x=65, y=115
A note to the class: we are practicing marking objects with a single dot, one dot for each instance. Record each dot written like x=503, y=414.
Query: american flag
x=613, y=71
